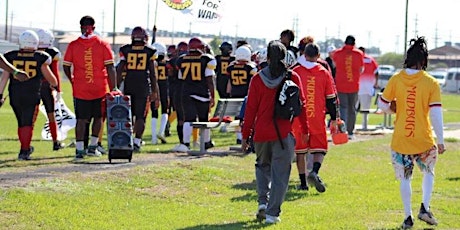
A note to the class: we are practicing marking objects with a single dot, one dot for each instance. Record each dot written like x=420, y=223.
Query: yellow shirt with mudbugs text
x=414, y=94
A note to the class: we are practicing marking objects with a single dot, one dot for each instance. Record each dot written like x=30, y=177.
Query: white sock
x=239, y=136
x=137, y=141
x=93, y=141
x=164, y=120
x=427, y=189
x=79, y=145
x=207, y=135
x=153, y=125
x=187, y=132
x=406, y=193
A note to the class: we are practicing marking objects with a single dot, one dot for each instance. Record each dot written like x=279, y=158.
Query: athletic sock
x=303, y=181
x=316, y=167
x=53, y=130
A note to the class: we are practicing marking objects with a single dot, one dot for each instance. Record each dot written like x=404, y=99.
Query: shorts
x=47, y=97
x=193, y=109
x=87, y=109
x=316, y=143
x=139, y=106
x=404, y=164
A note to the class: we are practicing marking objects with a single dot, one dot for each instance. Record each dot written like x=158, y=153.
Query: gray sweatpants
x=273, y=169
x=348, y=110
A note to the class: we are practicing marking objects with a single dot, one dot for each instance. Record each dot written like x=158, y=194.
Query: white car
x=385, y=72
x=453, y=80
x=440, y=75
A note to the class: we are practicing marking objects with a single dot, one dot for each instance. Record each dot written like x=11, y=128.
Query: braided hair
x=276, y=52
x=417, y=54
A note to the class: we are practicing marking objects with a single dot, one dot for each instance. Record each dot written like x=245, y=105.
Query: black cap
x=87, y=21
x=350, y=40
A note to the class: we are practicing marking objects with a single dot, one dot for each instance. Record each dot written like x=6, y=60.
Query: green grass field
x=217, y=192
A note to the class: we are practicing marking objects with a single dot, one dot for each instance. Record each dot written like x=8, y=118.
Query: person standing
x=163, y=87
x=367, y=83
x=240, y=73
x=46, y=40
x=273, y=161
x=415, y=97
x=328, y=59
x=223, y=61
x=25, y=95
x=349, y=62
x=320, y=95
x=89, y=65
x=138, y=61
x=196, y=70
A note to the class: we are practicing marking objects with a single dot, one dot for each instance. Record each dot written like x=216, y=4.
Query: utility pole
x=405, y=27
x=114, y=17
x=54, y=16
x=6, y=21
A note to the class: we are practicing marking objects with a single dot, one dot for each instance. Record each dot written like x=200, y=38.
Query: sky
x=374, y=23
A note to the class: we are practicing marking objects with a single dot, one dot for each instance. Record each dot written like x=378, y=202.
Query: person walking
x=367, y=84
x=349, y=62
x=273, y=161
x=89, y=65
x=320, y=93
x=415, y=97
x=25, y=95
x=46, y=40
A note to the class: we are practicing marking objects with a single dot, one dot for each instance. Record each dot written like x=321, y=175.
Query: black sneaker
x=408, y=223
x=79, y=155
x=426, y=216
x=167, y=129
x=24, y=155
x=302, y=187
x=136, y=148
x=314, y=179
x=57, y=145
x=209, y=145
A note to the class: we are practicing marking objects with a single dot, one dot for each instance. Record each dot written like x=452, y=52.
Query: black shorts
x=164, y=103
x=139, y=107
x=194, y=109
x=47, y=97
x=87, y=109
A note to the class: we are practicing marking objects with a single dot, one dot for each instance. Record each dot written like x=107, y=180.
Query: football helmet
x=243, y=53
x=226, y=47
x=196, y=44
x=45, y=38
x=28, y=40
x=160, y=47
x=261, y=55
x=139, y=35
x=182, y=48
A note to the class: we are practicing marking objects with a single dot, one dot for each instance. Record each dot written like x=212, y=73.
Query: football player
x=46, y=39
x=25, y=96
x=196, y=70
x=240, y=73
x=223, y=60
x=162, y=79
x=138, y=60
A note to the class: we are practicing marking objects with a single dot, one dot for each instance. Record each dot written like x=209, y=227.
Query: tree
x=394, y=59
x=215, y=43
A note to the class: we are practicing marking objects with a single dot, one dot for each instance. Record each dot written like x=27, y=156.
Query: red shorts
x=316, y=143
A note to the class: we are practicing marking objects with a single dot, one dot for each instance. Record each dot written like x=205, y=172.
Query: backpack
x=287, y=101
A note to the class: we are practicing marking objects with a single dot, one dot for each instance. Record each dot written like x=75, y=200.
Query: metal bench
x=225, y=107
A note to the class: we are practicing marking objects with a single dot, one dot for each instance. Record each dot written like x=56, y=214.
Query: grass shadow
x=453, y=179
x=252, y=224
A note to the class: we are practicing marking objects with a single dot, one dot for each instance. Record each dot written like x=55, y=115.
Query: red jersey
x=349, y=62
x=259, y=112
x=317, y=87
x=367, y=79
x=89, y=56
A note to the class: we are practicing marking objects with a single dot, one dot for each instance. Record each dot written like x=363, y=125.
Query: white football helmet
x=261, y=55
x=28, y=40
x=45, y=38
x=243, y=53
x=160, y=47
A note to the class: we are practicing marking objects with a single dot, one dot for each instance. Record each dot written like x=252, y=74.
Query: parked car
x=440, y=75
x=385, y=72
x=453, y=80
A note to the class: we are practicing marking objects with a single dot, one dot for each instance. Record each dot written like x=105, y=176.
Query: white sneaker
x=180, y=148
x=92, y=151
x=272, y=219
x=101, y=149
